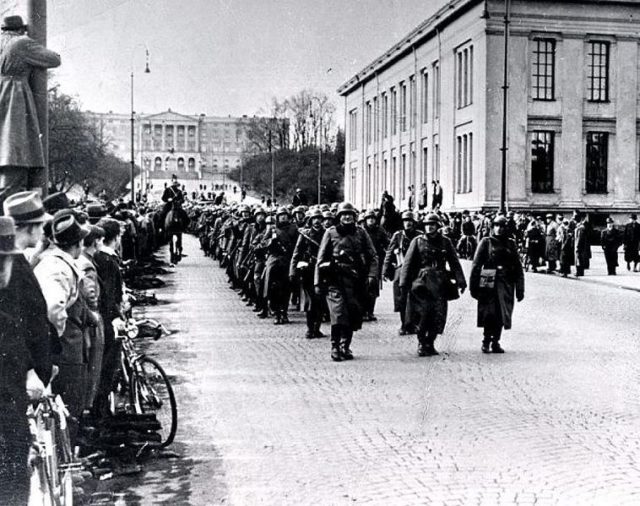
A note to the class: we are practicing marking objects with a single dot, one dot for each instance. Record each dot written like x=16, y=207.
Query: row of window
x=543, y=156
x=543, y=70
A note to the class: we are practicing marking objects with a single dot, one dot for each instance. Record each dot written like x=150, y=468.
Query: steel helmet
x=346, y=207
x=315, y=213
x=432, y=218
x=369, y=213
x=327, y=215
x=259, y=210
x=408, y=215
x=244, y=209
x=283, y=210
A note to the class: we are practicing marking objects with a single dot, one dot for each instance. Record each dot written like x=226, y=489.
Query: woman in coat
x=497, y=257
x=20, y=145
x=425, y=277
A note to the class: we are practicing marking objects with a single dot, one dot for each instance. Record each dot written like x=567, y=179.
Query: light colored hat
x=7, y=236
x=25, y=207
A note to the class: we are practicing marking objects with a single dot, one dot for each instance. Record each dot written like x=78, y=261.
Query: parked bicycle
x=142, y=386
x=52, y=457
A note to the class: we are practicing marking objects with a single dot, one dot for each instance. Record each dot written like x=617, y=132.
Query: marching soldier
x=424, y=277
x=380, y=242
x=393, y=261
x=279, y=241
x=302, y=268
x=347, y=267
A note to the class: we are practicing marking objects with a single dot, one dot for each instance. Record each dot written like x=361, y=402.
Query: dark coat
x=393, y=261
x=306, y=250
x=424, y=275
x=496, y=306
x=567, y=246
x=108, y=268
x=279, y=241
x=353, y=259
x=23, y=300
x=610, y=240
x=631, y=241
x=582, y=248
x=380, y=241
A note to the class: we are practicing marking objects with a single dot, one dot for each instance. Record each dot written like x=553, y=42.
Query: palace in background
x=201, y=150
x=430, y=108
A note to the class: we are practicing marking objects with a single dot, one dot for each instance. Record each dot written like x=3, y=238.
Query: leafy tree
x=78, y=151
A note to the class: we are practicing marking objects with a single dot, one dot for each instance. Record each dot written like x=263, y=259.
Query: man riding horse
x=174, y=218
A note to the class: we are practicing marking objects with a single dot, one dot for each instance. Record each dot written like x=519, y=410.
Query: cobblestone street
x=267, y=418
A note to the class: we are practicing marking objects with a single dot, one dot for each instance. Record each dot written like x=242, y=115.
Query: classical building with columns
x=201, y=150
x=431, y=108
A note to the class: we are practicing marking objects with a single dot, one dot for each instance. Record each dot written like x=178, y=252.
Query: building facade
x=431, y=108
x=201, y=150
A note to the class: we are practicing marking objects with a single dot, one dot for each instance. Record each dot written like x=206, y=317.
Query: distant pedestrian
x=567, y=247
x=610, y=240
x=551, y=244
x=496, y=274
x=299, y=199
x=422, y=199
x=632, y=243
x=581, y=244
x=412, y=198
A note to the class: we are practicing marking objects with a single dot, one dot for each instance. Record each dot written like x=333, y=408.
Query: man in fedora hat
x=59, y=278
x=17, y=357
x=21, y=150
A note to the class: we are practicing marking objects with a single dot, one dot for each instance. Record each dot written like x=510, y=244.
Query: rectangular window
x=376, y=120
x=597, y=162
x=425, y=164
x=436, y=91
x=394, y=175
x=598, y=74
x=403, y=107
x=543, y=69
x=385, y=172
x=464, y=77
x=385, y=115
x=425, y=97
x=394, y=111
x=412, y=164
x=470, y=173
x=403, y=176
x=459, y=164
x=542, y=161
x=353, y=130
x=412, y=102
x=368, y=124
x=436, y=161
x=464, y=160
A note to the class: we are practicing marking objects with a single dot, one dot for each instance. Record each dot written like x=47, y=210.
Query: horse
x=175, y=223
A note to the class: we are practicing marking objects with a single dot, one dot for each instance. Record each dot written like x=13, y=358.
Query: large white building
x=431, y=107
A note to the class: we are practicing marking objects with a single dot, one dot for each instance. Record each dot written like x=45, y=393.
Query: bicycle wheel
x=153, y=394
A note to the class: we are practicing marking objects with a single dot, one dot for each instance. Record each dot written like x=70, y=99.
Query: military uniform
x=380, y=241
x=610, y=240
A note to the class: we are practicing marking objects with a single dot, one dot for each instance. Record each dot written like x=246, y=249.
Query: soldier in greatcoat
x=496, y=274
x=347, y=267
x=582, y=247
x=552, y=246
x=302, y=270
x=425, y=277
x=380, y=241
x=279, y=240
x=610, y=240
x=393, y=261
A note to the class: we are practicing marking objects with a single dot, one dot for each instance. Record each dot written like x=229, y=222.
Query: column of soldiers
x=331, y=260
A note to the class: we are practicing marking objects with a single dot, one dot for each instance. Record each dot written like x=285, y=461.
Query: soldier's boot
x=310, y=334
x=422, y=345
x=486, y=343
x=345, y=344
x=495, y=346
x=431, y=349
x=278, y=317
x=284, y=317
x=316, y=330
x=336, y=356
x=402, y=331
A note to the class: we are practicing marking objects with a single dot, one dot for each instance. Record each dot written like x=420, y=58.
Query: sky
x=219, y=57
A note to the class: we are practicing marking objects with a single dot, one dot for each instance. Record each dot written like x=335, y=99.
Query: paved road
x=267, y=418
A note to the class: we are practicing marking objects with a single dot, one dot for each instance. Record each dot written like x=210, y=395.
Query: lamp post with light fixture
x=133, y=122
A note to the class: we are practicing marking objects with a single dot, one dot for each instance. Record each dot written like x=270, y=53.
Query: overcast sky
x=219, y=57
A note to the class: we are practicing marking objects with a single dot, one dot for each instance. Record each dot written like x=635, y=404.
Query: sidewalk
x=597, y=273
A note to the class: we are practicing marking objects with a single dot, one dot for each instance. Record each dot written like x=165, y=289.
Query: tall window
x=436, y=90
x=425, y=96
x=353, y=130
x=385, y=115
x=376, y=120
x=368, y=122
x=598, y=76
x=394, y=175
x=597, y=162
x=464, y=75
x=394, y=111
x=542, y=160
x=385, y=172
x=403, y=107
x=403, y=175
x=543, y=69
x=412, y=102
x=464, y=159
x=436, y=159
x=412, y=164
x=425, y=165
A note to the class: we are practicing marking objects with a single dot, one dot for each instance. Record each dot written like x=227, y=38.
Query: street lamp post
x=320, y=165
x=505, y=92
x=133, y=122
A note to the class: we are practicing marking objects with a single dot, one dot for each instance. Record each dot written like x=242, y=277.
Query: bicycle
x=53, y=462
x=144, y=384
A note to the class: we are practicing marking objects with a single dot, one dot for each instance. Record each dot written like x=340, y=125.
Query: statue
x=21, y=152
